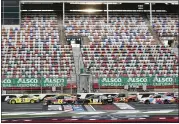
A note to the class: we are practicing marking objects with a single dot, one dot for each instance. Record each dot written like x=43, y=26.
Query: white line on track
x=142, y=118
x=127, y=111
x=92, y=107
x=92, y=119
x=176, y=117
x=162, y=118
x=161, y=111
x=14, y=120
x=114, y=119
x=3, y=120
x=54, y=119
x=74, y=119
x=27, y=120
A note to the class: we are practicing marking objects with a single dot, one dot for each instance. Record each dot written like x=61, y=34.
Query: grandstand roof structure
x=101, y=1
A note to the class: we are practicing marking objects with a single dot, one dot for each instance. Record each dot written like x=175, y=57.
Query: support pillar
x=19, y=12
x=151, y=14
x=107, y=13
x=63, y=13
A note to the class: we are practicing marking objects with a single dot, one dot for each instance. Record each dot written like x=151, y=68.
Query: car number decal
x=60, y=101
x=122, y=99
x=18, y=100
x=22, y=100
x=95, y=100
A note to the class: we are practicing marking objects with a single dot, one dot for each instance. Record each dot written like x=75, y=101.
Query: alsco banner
x=164, y=81
x=138, y=81
x=7, y=82
x=27, y=82
x=54, y=82
x=111, y=82
x=121, y=81
x=33, y=82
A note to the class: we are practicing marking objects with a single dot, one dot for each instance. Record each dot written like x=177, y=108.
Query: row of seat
x=129, y=60
x=166, y=25
x=34, y=49
x=97, y=29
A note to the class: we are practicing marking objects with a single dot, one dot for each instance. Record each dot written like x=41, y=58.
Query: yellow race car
x=24, y=99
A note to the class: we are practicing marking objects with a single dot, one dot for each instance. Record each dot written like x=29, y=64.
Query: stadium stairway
x=61, y=30
x=78, y=65
x=175, y=50
x=155, y=36
x=86, y=41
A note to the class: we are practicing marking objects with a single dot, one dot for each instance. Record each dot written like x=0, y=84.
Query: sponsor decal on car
x=67, y=108
x=78, y=108
x=55, y=107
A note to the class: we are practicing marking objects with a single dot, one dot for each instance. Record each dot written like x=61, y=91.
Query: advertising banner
x=132, y=81
x=139, y=81
x=8, y=82
x=34, y=82
x=164, y=81
x=54, y=82
x=27, y=82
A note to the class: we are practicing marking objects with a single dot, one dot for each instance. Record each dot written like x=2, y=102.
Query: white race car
x=157, y=99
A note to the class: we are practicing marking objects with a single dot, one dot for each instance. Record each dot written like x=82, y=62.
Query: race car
x=120, y=98
x=132, y=98
x=24, y=99
x=60, y=99
x=125, y=98
x=96, y=99
x=157, y=99
x=177, y=100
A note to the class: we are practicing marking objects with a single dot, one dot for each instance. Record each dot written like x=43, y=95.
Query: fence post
x=99, y=86
x=71, y=88
x=41, y=85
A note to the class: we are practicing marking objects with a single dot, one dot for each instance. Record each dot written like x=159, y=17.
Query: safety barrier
x=83, y=95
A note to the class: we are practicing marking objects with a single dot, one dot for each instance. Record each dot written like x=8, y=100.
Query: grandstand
x=73, y=46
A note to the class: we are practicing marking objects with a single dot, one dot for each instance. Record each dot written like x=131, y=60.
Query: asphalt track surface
x=39, y=107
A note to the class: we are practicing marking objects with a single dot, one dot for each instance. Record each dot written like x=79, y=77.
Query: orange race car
x=125, y=98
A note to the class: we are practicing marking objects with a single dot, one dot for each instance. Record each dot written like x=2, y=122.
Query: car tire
x=105, y=102
x=32, y=101
x=85, y=102
x=133, y=100
x=166, y=102
x=130, y=100
x=49, y=103
x=13, y=102
x=147, y=102
x=69, y=102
